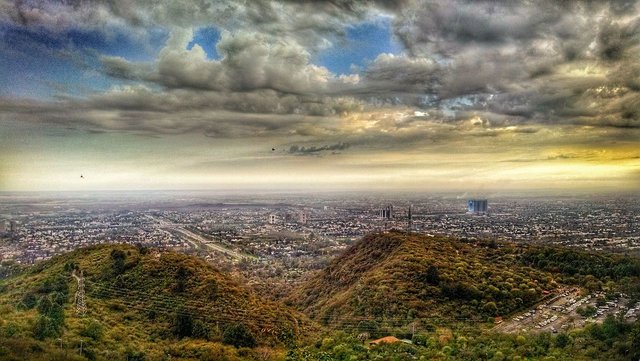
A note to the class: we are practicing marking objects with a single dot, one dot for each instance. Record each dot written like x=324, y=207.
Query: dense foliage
x=591, y=270
x=612, y=340
x=396, y=279
x=141, y=305
x=437, y=293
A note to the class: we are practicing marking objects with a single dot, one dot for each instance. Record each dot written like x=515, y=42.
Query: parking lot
x=563, y=311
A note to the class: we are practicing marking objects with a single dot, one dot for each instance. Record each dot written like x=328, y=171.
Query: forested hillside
x=397, y=277
x=139, y=304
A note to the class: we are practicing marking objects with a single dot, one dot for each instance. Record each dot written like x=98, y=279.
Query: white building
x=273, y=218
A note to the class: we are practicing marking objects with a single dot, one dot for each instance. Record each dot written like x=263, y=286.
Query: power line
x=166, y=304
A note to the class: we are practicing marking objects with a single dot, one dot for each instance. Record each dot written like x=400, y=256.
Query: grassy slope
x=136, y=307
x=385, y=276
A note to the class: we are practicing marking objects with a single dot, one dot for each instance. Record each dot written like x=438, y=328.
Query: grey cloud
x=141, y=110
x=517, y=56
x=254, y=102
x=302, y=150
x=513, y=61
x=616, y=37
x=248, y=62
x=402, y=73
x=310, y=23
x=446, y=27
x=118, y=67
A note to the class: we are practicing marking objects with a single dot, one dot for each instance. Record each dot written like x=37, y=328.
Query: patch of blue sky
x=118, y=42
x=43, y=78
x=112, y=41
x=40, y=65
x=207, y=38
x=362, y=43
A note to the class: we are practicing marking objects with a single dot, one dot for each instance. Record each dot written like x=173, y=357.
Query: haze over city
x=322, y=95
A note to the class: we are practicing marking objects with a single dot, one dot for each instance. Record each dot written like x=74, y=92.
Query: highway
x=198, y=240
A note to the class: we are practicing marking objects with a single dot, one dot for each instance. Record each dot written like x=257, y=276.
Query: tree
x=433, y=275
x=369, y=326
x=562, y=340
x=211, y=288
x=183, y=325
x=50, y=306
x=45, y=327
x=182, y=276
x=118, y=257
x=490, y=308
x=586, y=311
x=635, y=341
x=142, y=249
x=238, y=335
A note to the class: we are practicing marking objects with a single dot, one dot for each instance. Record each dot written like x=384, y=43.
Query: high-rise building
x=273, y=218
x=303, y=217
x=477, y=206
x=386, y=212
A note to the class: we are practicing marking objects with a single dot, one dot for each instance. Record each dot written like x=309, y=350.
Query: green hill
x=141, y=304
x=439, y=292
x=398, y=277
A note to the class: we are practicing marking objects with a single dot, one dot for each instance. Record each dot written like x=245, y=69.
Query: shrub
x=11, y=329
x=29, y=300
x=238, y=335
x=562, y=340
x=201, y=330
x=92, y=329
x=45, y=327
x=420, y=340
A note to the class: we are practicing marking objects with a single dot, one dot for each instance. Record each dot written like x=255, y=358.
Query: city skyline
x=320, y=95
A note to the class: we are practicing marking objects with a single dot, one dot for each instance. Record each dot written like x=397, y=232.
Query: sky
x=473, y=96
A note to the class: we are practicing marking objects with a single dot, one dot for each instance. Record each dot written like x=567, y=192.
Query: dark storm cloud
x=615, y=39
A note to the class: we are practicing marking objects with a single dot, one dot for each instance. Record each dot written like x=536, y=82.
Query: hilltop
x=141, y=304
x=395, y=279
x=398, y=277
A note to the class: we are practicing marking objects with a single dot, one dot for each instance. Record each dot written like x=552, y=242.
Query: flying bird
x=81, y=176
x=273, y=149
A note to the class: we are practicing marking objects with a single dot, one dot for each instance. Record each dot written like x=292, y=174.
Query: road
x=198, y=240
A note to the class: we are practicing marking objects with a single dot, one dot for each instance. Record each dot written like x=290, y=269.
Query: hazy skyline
x=328, y=95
